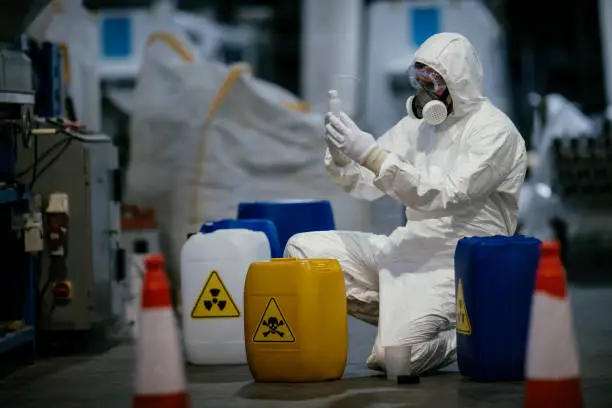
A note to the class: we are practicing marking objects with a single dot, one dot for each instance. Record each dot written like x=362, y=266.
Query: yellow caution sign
x=463, y=320
x=273, y=327
x=215, y=301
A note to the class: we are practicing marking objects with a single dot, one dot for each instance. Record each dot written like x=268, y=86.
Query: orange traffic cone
x=160, y=376
x=552, y=367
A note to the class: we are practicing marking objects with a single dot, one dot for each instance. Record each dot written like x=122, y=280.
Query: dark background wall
x=553, y=46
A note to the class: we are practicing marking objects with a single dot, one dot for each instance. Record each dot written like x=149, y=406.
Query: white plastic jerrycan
x=213, y=271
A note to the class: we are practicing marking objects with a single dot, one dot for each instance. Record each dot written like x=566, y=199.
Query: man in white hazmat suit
x=457, y=163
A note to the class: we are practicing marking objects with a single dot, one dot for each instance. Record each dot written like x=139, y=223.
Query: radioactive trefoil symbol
x=208, y=304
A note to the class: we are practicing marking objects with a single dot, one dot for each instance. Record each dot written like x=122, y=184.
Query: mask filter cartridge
x=427, y=107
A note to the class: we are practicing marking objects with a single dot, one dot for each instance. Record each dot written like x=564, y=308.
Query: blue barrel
x=291, y=216
x=494, y=284
x=265, y=226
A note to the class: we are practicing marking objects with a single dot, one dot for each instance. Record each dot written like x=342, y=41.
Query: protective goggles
x=422, y=76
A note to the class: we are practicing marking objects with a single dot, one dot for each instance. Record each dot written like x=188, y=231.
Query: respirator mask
x=431, y=101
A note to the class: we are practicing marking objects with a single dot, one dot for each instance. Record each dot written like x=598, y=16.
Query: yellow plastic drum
x=295, y=320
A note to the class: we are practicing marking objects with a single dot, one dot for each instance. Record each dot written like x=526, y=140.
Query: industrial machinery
x=59, y=198
x=17, y=100
x=74, y=176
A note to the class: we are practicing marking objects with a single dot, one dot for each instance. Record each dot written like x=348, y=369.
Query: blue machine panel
x=18, y=289
x=47, y=61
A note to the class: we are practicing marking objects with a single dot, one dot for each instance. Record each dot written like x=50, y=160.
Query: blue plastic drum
x=291, y=216
x=265, y=226
x=494, y=284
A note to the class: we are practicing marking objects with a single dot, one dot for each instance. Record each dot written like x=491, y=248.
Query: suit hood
x=454, y=57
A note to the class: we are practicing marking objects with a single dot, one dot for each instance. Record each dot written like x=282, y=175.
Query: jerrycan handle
x=283, y=259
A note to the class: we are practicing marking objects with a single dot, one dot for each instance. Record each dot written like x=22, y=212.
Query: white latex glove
x=345, y=135
x=339, y=158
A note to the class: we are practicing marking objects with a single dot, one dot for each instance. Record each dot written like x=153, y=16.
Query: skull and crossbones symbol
x=273, y=324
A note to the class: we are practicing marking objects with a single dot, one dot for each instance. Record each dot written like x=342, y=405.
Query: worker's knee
x=304, y=245
x=295, y=245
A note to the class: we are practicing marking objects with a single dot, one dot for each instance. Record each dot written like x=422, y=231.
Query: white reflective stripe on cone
x=551, y=350
x=160, y=368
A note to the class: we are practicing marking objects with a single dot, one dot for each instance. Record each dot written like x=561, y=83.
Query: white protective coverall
x=457, y=179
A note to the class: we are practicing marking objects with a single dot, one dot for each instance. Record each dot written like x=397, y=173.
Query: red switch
x=62, y=291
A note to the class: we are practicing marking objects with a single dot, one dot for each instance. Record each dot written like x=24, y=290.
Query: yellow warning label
x=214, y=301
x=273, y=327
x=463, y=320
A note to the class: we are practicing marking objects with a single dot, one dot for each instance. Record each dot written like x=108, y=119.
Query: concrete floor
x=105, y=380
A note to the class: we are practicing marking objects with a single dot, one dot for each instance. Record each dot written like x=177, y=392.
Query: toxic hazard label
x=463, y=320
x=273, y=327
x=215, y=301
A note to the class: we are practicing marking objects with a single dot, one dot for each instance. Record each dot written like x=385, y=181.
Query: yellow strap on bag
x=64, y=50
x=301, y=106
x=172, y=42
x=233, y=75
x=220, y=96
